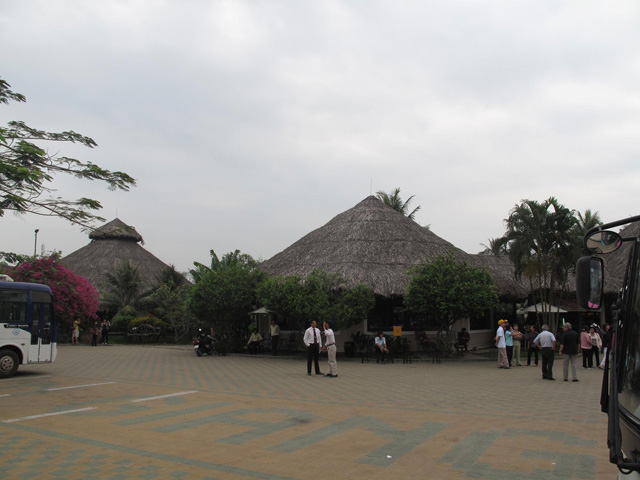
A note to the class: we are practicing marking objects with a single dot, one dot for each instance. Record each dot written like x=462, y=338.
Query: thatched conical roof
x=370, y=243
x=110, y=246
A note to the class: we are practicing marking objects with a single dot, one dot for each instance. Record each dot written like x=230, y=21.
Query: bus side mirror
x=603, y=242
x=589, y=282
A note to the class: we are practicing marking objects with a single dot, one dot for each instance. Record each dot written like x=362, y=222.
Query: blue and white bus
x=27, y=326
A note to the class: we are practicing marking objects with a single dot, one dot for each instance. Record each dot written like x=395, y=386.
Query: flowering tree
x=74, y=296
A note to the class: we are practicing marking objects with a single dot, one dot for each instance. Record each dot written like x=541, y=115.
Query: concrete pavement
x=128, y=412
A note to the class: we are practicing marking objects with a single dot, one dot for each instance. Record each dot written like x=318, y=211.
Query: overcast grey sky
x=248, y=124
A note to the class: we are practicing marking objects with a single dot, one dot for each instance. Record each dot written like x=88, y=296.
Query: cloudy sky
x=248, y=124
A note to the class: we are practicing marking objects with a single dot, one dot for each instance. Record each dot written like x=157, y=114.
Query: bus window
x=40, y=297
x=35, y=327
x=46, y=323
x=13, y=307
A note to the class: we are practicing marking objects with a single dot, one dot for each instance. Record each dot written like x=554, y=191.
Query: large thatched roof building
x=376, y=245
x=110, y=246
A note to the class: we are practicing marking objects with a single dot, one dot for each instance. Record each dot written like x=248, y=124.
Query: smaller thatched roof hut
x=111, y=245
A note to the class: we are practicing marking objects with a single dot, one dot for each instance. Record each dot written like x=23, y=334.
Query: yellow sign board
x=397, y=331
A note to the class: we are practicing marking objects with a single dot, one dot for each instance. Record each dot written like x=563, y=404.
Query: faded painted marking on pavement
x=146, y=399
x=31, y=417
x=79, y=386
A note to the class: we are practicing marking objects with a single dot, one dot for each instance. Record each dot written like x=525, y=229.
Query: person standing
x=75, y=336
x=94, y=334
x=596, y=344
x=104, y=327
x=508, y=339
x=313, y=343
x=330, y=346
x=569, y=350
x=517, y=337
x=501, y=344
x=585, y=345
x=546, y=341
x=275, y=336
x=606, y=344
x=531, y=347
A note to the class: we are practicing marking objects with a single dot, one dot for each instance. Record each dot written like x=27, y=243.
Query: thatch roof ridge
x=370, y=243
x=116, y=229
x=502, y=270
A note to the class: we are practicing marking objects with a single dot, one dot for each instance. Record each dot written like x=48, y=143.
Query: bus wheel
x=8, y=363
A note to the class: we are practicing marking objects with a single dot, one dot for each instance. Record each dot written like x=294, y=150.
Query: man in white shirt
x=330, y=346
x=501, y=343
x=546, y=341
x=313, y=342
x=381, y=347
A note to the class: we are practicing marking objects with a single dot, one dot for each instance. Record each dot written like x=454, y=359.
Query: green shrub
x=148, y=320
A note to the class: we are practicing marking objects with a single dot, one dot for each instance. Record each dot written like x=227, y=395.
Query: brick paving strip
x=128, y=412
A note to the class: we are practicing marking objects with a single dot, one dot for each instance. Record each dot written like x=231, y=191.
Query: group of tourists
x=509, y=342
x=96, y=329
x=590, y=342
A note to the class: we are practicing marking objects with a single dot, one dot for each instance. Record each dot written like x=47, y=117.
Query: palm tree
x=394, y=201
x=231, y=259
x=496, y=247
x=124, y=290
x=583, y=224
x=540, y=243
x=170, y=276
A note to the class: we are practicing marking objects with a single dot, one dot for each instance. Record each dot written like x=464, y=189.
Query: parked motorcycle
x=203, y=344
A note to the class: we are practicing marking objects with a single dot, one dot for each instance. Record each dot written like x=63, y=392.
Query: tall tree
x=124, y=293
x=169, y=303
x=584, y=222
x=540, y=240
x=224, y=295
x=170, y=276
x=228, y=259
x=449, y=290
x=27, y=170
x=320, y=296
x=394, y=201
x=496, y=247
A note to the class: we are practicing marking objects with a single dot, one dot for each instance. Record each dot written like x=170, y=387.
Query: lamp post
x=35, y=244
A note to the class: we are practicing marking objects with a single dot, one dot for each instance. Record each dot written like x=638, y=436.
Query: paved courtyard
x=125, y=412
